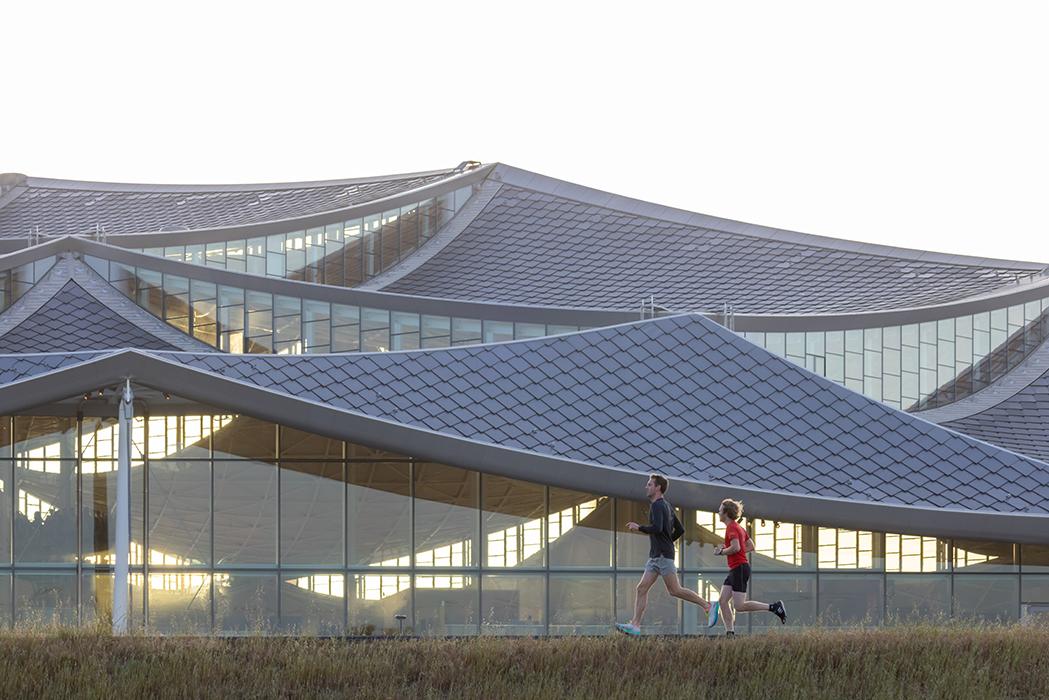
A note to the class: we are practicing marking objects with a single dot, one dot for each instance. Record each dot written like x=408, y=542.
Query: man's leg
x=741, y=604
x=641, y=596
x=727, y=615
x=675, y=589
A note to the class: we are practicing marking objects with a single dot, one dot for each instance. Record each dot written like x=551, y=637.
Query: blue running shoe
x=628, y=629
x=712, y=614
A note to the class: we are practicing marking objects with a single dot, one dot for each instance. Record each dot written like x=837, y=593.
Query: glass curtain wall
x=342, y=254
x=919, y=365
x=240, y=526
x=238, y=320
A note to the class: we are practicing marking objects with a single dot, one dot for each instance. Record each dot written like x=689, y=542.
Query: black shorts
x=738, y=578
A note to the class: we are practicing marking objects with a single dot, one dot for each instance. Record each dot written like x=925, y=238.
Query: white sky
x=916, y=124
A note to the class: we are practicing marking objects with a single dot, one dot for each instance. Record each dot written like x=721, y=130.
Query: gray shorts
x=661, y=565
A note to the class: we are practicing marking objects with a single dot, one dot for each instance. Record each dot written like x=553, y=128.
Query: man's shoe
x=780, y=611
x=730, y=633
x=628, y=629
x=712, y=614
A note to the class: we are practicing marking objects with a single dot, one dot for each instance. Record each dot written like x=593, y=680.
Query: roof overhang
x=244, y=398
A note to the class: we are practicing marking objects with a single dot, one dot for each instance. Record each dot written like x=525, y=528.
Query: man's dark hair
x=661, y=482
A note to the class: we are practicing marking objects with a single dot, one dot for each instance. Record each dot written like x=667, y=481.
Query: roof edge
x=102, y=186
x=525, y=179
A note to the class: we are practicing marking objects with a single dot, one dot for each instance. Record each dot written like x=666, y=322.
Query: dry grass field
x=913, y=662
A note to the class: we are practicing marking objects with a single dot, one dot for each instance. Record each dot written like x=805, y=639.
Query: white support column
x=123, y=543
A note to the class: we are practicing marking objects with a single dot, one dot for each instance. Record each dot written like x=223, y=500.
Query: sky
x=909, y=124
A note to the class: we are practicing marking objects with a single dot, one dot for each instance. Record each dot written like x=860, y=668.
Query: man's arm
x=658, y=518
x=731, y=549
x=750, y=545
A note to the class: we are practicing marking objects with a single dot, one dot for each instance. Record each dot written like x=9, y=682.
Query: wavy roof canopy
x=539, y=241
x=70, y=207
x=680, y=394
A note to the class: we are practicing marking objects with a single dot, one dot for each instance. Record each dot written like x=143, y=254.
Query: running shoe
x=712, y=614
x=779, y=610
x=628, y=629
x=730, y=633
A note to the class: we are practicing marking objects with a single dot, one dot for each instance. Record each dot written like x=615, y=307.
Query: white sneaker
x=712, y=614
x=628, y=629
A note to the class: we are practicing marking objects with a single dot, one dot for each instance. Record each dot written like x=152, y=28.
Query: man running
x=663, y=529
x=737, y=544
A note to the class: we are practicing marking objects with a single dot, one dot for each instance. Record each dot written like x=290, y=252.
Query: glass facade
x=240, y=526
x=342, y=254
x=919, y=365
x=240, y=320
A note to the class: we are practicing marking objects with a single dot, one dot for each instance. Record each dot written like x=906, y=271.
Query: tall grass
x=920, y=662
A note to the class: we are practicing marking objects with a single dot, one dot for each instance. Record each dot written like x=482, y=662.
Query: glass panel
x=44, y=438
x=6, y=474
x=96, y=599
x=975, y=555
x=913, y=598
x=375, y=599
x=246, y=437
x=404, y=333
x=311, y=513
x=179, y=437
x=512, y=522
x=579, y=530
x=850, y=549
x=581, y=604
x=45, y=522
x=43, y=600
x=1034, y=557
x=296, y=444
x=798, y=594
x=345, y=328
x=446, y=517
x=446, y=605
x=436, y=331
x=987, y=598
x=378, y=515
x=312, y=604
x=915, y=554
x=498, y=331
x=245, y=603
x=663, y=613
x=1033, y=589
x=850, y=599
x=782, y=545
x=5, y=601
x=179, y=522
x=375, y=330
x=529, y=330
x=98, y=511
x=465, y=331
x=513, y=604
x=245, y=513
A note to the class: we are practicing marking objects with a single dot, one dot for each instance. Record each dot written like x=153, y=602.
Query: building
x=437, y=395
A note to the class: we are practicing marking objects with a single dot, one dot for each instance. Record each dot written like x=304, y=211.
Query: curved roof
x=72, y=207
x=74, y=320
x=677, y=394
x=1012, y=412
x=73, y=309
x=542, y=242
